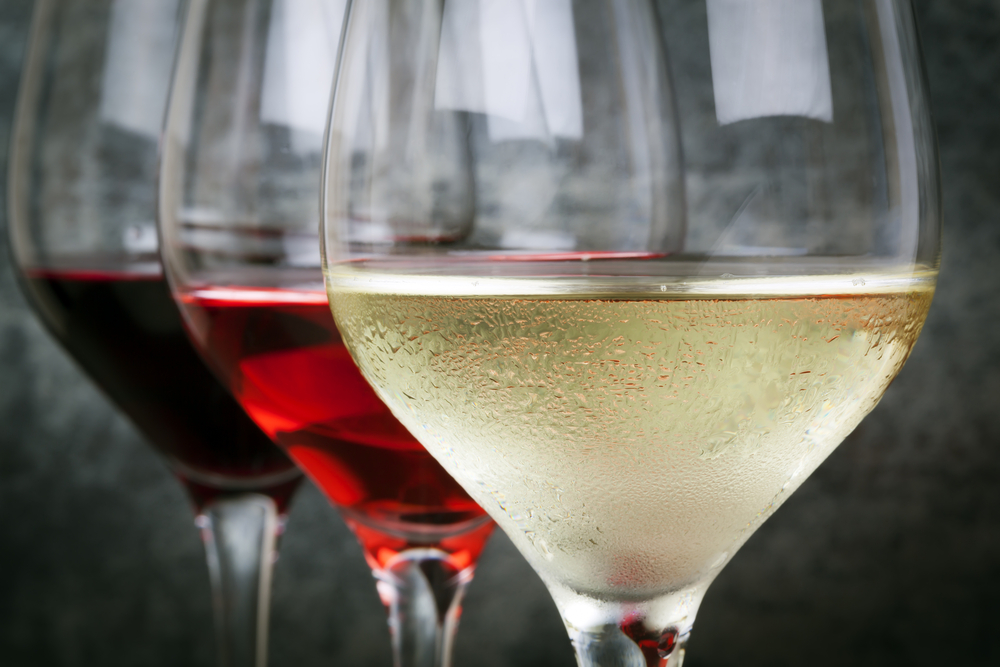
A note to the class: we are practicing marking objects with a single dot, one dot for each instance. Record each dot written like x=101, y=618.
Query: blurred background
x=888, y=555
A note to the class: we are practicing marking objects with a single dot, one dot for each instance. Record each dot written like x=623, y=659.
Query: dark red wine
x=123, y=328
x=287, y=366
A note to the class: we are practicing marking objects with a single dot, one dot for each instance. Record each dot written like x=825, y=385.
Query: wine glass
x=82, y=190
x=631, y=378
x=239, y=223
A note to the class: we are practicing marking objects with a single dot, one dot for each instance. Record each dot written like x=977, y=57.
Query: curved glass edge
x=23, y=134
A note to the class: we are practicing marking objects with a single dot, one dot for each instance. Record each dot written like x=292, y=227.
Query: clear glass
x=82, y=225
x=704, y=237
x=239, y=223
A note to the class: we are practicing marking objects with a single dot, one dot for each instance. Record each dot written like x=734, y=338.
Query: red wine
x=124, y=329
x=284, y=360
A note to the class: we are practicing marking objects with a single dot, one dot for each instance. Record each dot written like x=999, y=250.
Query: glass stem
x=614, y=646
x=240, y=535
x=651, y=633
x=423, y=593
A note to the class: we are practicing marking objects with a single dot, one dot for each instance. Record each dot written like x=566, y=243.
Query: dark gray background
x=888, y=555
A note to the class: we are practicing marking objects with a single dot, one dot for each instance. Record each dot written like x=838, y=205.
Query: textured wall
x=889, y=554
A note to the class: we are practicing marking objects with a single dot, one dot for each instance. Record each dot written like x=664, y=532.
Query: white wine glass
x=629, y=376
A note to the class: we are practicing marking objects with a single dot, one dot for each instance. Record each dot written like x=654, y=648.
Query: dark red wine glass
x=84, y=240
x=239, y=223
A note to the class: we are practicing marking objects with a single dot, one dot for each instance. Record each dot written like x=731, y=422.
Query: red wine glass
x=239, y=223
x=82, y=212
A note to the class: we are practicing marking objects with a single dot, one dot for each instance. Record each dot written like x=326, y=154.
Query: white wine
x=629, y=443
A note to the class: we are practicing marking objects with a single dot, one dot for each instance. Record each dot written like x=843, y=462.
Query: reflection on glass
x=769, y=58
